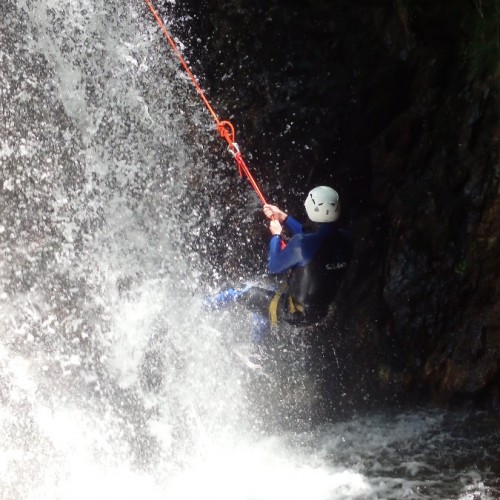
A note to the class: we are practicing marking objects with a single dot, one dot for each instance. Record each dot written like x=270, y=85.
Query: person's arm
x=280, y=260
x=294, y=226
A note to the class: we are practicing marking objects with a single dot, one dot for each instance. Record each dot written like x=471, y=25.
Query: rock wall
x=394, y=103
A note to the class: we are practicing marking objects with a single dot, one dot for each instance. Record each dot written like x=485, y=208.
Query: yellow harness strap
x=293, y=307
x=273, y=308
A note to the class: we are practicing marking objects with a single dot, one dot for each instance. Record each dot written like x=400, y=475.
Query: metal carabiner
x=234, y=149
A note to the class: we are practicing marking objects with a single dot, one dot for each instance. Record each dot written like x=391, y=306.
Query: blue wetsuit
x=314, y=261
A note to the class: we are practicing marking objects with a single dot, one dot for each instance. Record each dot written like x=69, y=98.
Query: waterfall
x=105, y=359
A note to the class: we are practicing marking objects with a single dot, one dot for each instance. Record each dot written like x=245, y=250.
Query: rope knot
x=226, y=130
x=239, y=161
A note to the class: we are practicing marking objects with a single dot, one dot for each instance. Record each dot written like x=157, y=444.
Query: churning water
x=113, y=382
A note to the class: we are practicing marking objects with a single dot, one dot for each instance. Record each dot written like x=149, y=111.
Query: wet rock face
x=396, y=105
x=442, y=237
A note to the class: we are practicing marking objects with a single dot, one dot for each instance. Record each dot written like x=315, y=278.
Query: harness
x=293, y=307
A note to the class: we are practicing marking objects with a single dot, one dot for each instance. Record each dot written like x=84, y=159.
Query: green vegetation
x=483, y=49
x=462, y=267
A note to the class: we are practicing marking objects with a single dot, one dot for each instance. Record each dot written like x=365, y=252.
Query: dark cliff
x=395, y=104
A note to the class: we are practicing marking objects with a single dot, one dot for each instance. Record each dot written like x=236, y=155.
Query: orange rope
x=225, y=128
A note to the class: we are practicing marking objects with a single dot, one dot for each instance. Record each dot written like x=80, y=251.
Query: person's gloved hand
x=275, y=227
x=273, y=212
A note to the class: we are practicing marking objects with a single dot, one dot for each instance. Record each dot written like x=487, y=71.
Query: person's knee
x=259, y=298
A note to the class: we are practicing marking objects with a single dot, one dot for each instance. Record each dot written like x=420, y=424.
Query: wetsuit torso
x=315, y=262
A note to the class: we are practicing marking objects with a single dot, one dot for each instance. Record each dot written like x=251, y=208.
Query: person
x=313, y=261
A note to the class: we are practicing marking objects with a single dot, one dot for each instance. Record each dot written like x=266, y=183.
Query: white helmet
x=322, y=204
